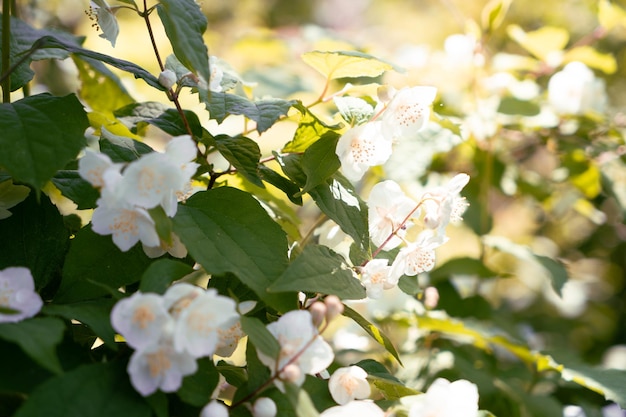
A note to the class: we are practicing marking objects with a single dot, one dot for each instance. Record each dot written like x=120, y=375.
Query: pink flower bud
x=334, y=307
x=318, y=311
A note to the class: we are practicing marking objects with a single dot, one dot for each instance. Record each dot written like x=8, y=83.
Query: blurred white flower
x=217, y=74
x=17, y=294
x=105, y=16
x=388, y=208
x=297, y=335
x=354, y=408
x=408, y=112
x=159, y=366
x=362, y=147
x=418, y=256
x=264, y=407
x=447, y=399
x=375, y=276
x=576, y=90
x=214, y=409
x=178, y=297
x=141, y=319
x=199, y=327
x=348, y=384
x=92, y=165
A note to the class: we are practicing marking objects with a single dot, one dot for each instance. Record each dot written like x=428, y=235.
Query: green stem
x=6, y=49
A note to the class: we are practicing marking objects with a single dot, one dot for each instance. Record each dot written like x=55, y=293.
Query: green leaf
x=38, y=337
x=258, y=334
x=264, y=112
x=346, y=64
x=136, y=70
x=22, y=39
x=593, y=58
x=170, y=122
x=95, y=266
x=184, y=25
x=161, y=273
x=320, y=161
x=309, y=130
x=610, y=383
x=282, y=183
x=234, y=375
x=96, y=390
x=465, y=266
x=197, y=388
x=227, y=230
x=124, y=149
x=74, y=187
x=493, y=13
x=517, y=107
x=135, y=113
x=95, y=314
x=100, y=88
x=373, y=331
x=242, y=153
x=541, y=42
x=341, y=203
x=391, y=390
x=35, y=237
x=557, y=271
x=300, y=401
x=40, y=135
x=319, y=269
x=354, y=110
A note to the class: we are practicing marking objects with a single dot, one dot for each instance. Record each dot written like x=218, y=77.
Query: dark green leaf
x=300, y=401
x=97, y=390
x=95, y=314
x=319, y=269
x=282, y=183
x=137, y=71
x=227, y=230
x=318, y=391
x=124, y=151
x=243, y=153
x=197, y=388
x=95, y=266
x=310, y=129
x=135, y=113
x=170, y=122
x=38, y=337
x=557, y=271
x=373, y=331
x=74, y=187
x=35, y=237
x=465, y=266
x=342, y=204
x=162, y=224
x=258, y=334
x=234, y=375
x=264, y=112
x=161, y=273
x=40, y=135
x=320, y=161
x=517, y=107
x=184, y=25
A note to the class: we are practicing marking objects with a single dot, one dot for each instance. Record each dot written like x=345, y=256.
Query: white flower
x=354, y=408
x=217, y=74
x=140, y=318
x=576, y=90
x=362, y=147
x=447, y=399
x=297, y=335
x=167, y=78
x=200, y=326
x=92, y=165
x=17, y=294
x=375, y=276
x=159, y=366
x=349, y=383
x=443, y=205
x=408, y=112
x=418, y=256
x=229, y=338
x=388, y=208
x=178, y=297
x=264, y=407
x=107, y=22
x=214, y=409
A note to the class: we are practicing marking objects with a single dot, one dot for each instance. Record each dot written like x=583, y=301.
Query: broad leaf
x=300, y=401
x=517, y=107
x=171, y=122
x=354, y=110
x=593, y=58
x=493, y=13
x=184, y=25
x=373, y=331
x=135, y=113
x=319, y=269
x=124, y=149
x=40, y=135
x=242, y=153
x=100, y=88
x=161, y=273
x=320, y=161
x=197, y=388
x=95, y=266
x=309, y=130
x=35, y=237
x=96, y=390
x=264, y=112
x=466, y=266
x=282, y=183
x=38, y=337
x=258, y=334
x=74, y=187
x=95, y=314
x=346, y=64
x=227, y=230
x=541, y=42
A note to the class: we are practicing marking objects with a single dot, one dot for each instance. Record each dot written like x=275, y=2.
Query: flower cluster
x=18, y=298
x=436, y=402
x=128, y=192
x=171, y=331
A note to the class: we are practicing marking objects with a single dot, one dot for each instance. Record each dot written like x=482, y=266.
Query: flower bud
x=264, y=407
x=431, y=297
x=318, y=311
x=334, y=307
x=214, y=409
x=291, y=373
x=167, y=78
